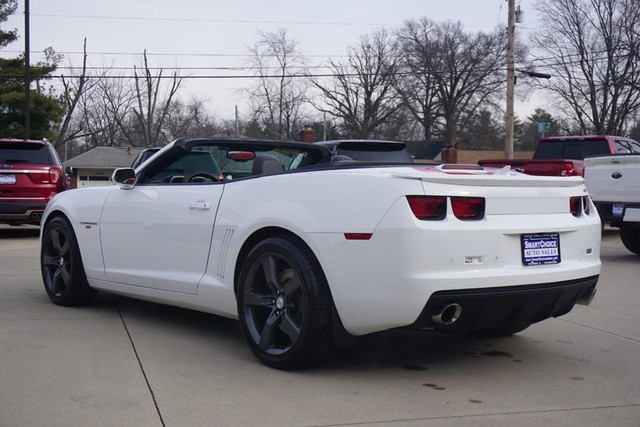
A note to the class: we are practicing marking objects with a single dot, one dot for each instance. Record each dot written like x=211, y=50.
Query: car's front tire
x=284, y=304
x=61, y=265
x=630, y=237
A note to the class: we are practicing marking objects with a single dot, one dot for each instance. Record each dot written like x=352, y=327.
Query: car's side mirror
x=126, y=177
x=68, y=170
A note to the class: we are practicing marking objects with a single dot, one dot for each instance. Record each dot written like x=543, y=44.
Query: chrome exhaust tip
x=448, y=315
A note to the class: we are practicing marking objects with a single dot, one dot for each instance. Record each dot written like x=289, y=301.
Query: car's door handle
x=200, y=204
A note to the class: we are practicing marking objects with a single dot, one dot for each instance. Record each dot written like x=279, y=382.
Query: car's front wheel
x=630, y=237
x=61, y=265
x=284, y=304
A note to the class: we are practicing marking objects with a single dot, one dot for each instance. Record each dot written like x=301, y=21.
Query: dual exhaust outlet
x=449, y=314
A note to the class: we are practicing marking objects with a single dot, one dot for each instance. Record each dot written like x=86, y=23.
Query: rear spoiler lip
x=501, y=178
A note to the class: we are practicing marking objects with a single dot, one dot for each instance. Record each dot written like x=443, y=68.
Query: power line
x=197, y=54
x=229, y=76
x=217, y=21
x=230, y=21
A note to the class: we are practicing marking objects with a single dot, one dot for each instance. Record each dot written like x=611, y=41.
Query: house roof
x=105, y=157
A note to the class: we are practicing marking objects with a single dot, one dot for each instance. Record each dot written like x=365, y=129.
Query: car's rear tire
x=284, y=304
x=630, y=238
x=61, y=265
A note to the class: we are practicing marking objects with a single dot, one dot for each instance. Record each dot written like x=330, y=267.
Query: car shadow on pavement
x=395, y=349
x=421, y=350
x=19, y=232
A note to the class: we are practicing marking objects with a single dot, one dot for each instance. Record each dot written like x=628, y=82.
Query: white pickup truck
x=614, y=186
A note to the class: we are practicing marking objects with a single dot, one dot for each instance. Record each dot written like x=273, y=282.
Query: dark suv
x=30, y=175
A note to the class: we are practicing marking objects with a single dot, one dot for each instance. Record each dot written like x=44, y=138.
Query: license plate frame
x=540, y=249
x=9, y=179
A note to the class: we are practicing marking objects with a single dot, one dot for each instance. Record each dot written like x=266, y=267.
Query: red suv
x=30, y=175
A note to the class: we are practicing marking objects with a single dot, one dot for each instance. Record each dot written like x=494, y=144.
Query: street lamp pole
x=27, y=74
x=511, y=80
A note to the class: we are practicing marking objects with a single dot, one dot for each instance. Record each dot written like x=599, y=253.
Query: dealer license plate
x=539, y=249
x=7, y=179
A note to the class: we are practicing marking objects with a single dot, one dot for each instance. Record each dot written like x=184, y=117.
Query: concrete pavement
x=122, y=362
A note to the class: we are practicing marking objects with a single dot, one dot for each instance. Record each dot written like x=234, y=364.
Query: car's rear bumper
x=630, y=212
x=21, y=213
x=504, y=307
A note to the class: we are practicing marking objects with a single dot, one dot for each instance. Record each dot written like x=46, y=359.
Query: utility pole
x=27, y=74
x=511, y=79
x=237, y=123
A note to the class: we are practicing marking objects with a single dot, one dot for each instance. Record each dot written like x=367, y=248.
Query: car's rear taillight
x=579, y=205
x=428, y=207
x=567, y=169
x=575, y=206
x=50, y=176
x=468, y=208
x=54, y=175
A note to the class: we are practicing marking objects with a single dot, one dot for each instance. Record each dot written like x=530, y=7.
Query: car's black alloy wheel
x=62, y=271
x=284, y=304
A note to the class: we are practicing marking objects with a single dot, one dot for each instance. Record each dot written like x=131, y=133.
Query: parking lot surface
x=122, y=362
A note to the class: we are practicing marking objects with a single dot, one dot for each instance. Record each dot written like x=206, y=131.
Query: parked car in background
x=372, y=151
x=614, y=186
x=564, y=155
x=306, y=251
x=30, y=175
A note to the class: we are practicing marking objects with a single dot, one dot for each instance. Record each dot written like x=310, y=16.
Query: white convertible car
x=305, y=247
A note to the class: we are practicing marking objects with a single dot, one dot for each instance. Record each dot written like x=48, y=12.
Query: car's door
x=158, y=234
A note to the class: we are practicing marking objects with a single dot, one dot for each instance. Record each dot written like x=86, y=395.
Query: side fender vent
x=224, y=250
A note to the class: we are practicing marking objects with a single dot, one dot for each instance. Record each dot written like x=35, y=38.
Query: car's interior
x=213, y=161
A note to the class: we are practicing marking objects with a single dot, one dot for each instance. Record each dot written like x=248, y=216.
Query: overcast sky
x=192, y=34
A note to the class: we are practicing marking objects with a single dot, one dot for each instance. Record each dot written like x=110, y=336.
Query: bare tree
x=152, y=108
x=190, y=119
x=468, y=70
x=104, y=113
x=360, y=93
x=74, y=88
x=415, y=82
x=592, y=48
x=278, y=96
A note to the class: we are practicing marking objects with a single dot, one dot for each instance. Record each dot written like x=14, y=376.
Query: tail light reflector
x=468, y=208
x=428, y=207
x=358, y=236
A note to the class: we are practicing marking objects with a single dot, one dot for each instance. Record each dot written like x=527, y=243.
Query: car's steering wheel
x=201, y=177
